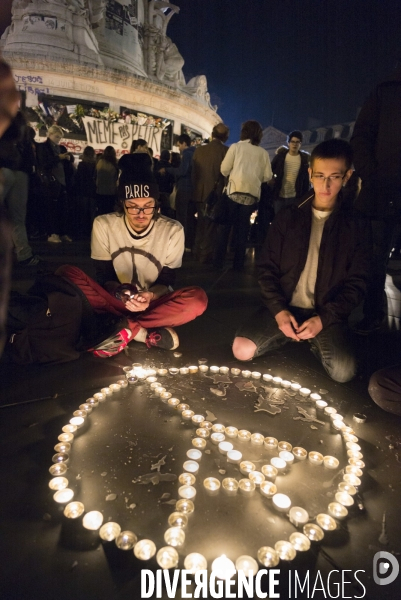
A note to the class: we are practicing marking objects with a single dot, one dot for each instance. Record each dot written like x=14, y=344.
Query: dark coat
x=85, y=180
x=183, y=172
x=206, y=169
x=376, y=142
x=343, y=265
x=47, y=159
x=166, y=181
x=302, y=182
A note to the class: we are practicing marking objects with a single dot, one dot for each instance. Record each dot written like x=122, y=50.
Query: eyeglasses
x=295, y=141
x=136, y=210
x=330, y=178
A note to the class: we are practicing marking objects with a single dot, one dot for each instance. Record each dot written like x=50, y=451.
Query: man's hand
x=309, y=328
x=287, y=324
x=140, y=301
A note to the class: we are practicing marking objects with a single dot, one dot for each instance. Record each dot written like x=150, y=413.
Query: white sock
x=141, y=335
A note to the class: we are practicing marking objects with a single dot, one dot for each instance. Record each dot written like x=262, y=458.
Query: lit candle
x=173, y=371
x=257, y=477
x=184, y=371
x=348, y=437
x=284, y=446
x=356, y=462
x=279, y=464
x=109, y=531
x=300, y=542
x=267, y=377
x=58, y=469
x=268, y=557
x=256, y=375
x=203, y=368
x=347, y=487
x=277, y=381
x=126, y=540
x=352, y=479
x=178, y=519
x=299, y=453
x=99, y=396
x=174, y=536
x=223, y=567
x=199, y=443
x=229, y=484
x=86, y=407
x=154, y=385
x=132, y=380
x=336, y=417
x=152, y=372
x=69, y=428
x=287, y=456
x=159, y=390
x=338, y=424
x=315, y=458
x=77, y=421
x=315, y=397
x=127, y=370
x=195, y=562
x=257, y=439
x=246, y=374
x=60, y=457
x=92, y=520
x=174, y=402
x=106, y=391
x=269, y=472
x=244, y=435
x=354, y=470
x=354, y=454
x=234, y=456
x=165, y=396
x=224, y=370
x=247, y=565
x=326, y=522
x=231, y=432
x=270, y=443
x=212, y=484
x=246, y=486
x=197, y=419
x=329, y=411
x=167, y=557
x=353, y=446
x=281, y=502
x=313, y=532
x=151, y=379
x=115, y=387
x=123, y=383
x=58, y=483
x=202, y=432
x=225, y=447
x=80, y=413
x=268, y=489
x=235, y=371
x=304, y=392
x=187, y=479
x=186, y=507
x=187, y=414
x=63, y=496
x=218, y=428
x=187, y=491
x=295, y=386
x=246, y=467
x=286, y=384
x=285, y=550
x=66, y=437
x=213, y=369
x=216, y=438
x=136, y=366
x=62, y=447
x=194, y=454
x=162, y=372
x=321, y=405
x=298, y=516
x=191, y=466
x=344, y=498
x=73, y=510
x=337, y=510
x=144, y=549
x=207, y=425
x=330, y=462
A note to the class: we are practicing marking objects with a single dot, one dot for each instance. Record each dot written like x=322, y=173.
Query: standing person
x=56, y=170
x=247, y=166
x=85, y=191
x=165, y=183
x=313, y=270
x=106, y=181
x=290, y=170
x=136, y=252
x=376, y=142
x=206, y=177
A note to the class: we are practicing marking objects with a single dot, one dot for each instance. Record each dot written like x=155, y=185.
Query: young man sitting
x=136, y=253
x=313, y=270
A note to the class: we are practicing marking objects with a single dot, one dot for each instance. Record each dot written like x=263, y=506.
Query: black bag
x=44, y=325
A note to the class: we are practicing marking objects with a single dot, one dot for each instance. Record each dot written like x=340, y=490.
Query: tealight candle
x=151, y=379
x=344, y=498
x=246, y=467
x=313, y=532
x=203, y=368
x=80, y=413
x=246, y=374
x=277, y=381
x=58, y=469
x=279, y=464
x=295, y=386
x=269, y=472
x=106, y=391
x=109, y=531
x=315, y=458
x=99, y=396
x=281, y=502
x=256, y=375
x=338, y=424
x=331, y=462
x=62, y=447
x=354, y=470
x=348, y=437
x=186, y=507
x=244, y=435
x=132, y=380
x=268, y=556
x=193, y=369
x=144, y=549
x=235, y=371
x=194, y=454
x=315, y=397
x=229, y=484
x=207, y=425
x=162, y=372
x=321, y=405
x=178, y=519
x=122, y=382
x=347, y=487
x=202, y=432
x=197, y=419
x=199, y=443
x=60, y=457
x=348, y=429
x=246, y=486
x=352, y=479
x=167, y=557
x=298, y=516
x=299, y=453
x=354, y=454
x=92, y=520
x=187, y=414
x=286, y=384
x=224, y=370
x=187, y=479
x=356, y=462
x=225, y=447
x=191, y=466
x=218, y=428
x=223, y=567
x=326, y=522
x=257, y=477
x=213, y=369
x=287, y=456
x=187, y=492
x=115, y=387
x=234, y=456
x=159, y=390
x=155, y=385
x=300, y=542
x=247, y=565
x=231, y=432
x=165, y=396
x=284, y=446
x=137, y=366
x=212, y=484
x=285, y=550
x=66, y=437
x=202, y=361
x=304, y=392
x=336, y=417
x=73, y=510
x=92, y=402
x=257, y=439
x=330, y=410
x=195, y=562
x=353, y=446
x=173, y=371
x=69, y=428
x=216, y=438
x=86, y=407
x=174, y=402
x=58, y=483
x=78, y=421
x=174, y=536
x=268, y=489
x=337, y=510
x=270, y=443
x=63, y=496
x=128, y=369
x=267, y=377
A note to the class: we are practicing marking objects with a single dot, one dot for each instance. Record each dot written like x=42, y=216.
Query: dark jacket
x=206, y=165
x=47, y=159
x=183, y=172
x=376, y=142
x=343, y=266
x=166, y=181
x=302, y=182
x=85, y=180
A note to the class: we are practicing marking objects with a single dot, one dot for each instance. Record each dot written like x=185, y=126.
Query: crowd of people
x=316, y=264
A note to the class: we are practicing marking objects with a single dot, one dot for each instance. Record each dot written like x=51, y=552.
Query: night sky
x=283, y=61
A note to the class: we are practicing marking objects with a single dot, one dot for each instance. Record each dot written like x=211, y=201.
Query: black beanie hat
x=137, y=179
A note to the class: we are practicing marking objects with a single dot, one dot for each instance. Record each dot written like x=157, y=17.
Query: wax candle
x=246, y=467
x=109, y=531
x=144, y=549
x=326, y=522
x=187, y=414
x=178, y=519
x=182, y=406
x=348, y=437
x=224, y=370
x=100, y=396
x=58, y=483
x=256, y=375
x=286, y=384
x=313, y=532
x=159, y=390
x=106, y=391
x=244, y=435
x=268, y=489
x=58, y=469
x=77, y=421
x=287, y=456
x=247, y=565
x=234, y=456
x=347, y=487
x=73, y=510
x=126, y=540
x=187, y=492
x=337, y=510
x=187, y=479
x=69, y=428
x=298, y=516
x=211, y=483
x=277, y=381
x=356, y=462
x=315, y=397
x=60, y=457
x=330, y=462
x=270, y=443
x=174, y=402
x=231, y=432
x=354, y=470
x=257, y=439
x=235, y=371
x=268, y=556
x=269, y=472
x=246, y=374
x=218, y=428
x=216, y=438
x=63, y=496
x=352, y=479
x=66, y=437
x=246, y=486
x=300, y=542
x=284, y=446
x=62, y=447
x=225, y=447
x=174, y=536
x=267, y=377
x=202, y=432
x=257, y=477
x=353, y=446
x=155, y=385
x=115, y=387
x=344, y=498
x=199, y=443
x=285, y=550
x=304, y=391
x=197, y=419
x=80, y=413
x=213, y=369
x=151, y=379
x=92, y=520
x=203, y=368
x=279, y=464
x=229, y=484
x=162, y=372
x=191, y=466
x=86, y=407
x=299, y=453
x=123, y=383
x=207, y=425
x=338, y=424
x=167, y=557
x=281, y=502
x=295, y=386
x=315, y=458
x=354, y=454
x=321, y=405
x=184, y=371
x=184, y=506
x=223, y=567
x=173, y=371
x=194, y=454
x=195, y=562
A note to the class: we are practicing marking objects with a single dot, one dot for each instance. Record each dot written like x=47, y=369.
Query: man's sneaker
x=54, y=238
x=368, y=326
x=32, y=261
x=113, y=345
x=162, y=337
x=66, y=238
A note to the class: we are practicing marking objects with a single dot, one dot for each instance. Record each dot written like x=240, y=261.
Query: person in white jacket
x=246, y=166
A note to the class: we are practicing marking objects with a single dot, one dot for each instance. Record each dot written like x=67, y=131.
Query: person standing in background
x=85, y=191
x=290, y=170
x=106, y=182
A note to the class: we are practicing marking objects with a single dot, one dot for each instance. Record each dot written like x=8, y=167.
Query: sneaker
x=163, y=337
x=66, y=238
x=32, y=261
x=113, y=345
x=54, y=238
x=367, y=326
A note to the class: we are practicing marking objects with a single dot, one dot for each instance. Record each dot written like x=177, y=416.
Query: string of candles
x=218, y=434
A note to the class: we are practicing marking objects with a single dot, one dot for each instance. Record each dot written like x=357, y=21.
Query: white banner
x=101, y=133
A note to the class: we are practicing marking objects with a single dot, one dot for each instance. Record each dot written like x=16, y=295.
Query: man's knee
x=343, y=370
x=199, y=300
x=244, y=348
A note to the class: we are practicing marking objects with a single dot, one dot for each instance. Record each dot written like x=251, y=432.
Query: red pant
x=170, y=310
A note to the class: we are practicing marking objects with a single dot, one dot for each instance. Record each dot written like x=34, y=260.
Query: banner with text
x=101, y=133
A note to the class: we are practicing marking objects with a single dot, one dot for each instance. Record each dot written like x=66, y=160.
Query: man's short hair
x=55, y=129
x=221, y=132
x=184, y=139
x=296, y=134
x=333, y=148
x=165, y=155
x=136, y=143
x=252, y=130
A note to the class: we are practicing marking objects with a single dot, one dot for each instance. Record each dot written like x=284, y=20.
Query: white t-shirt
x=304, y=293
x=292, y=165
x=137, y=259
